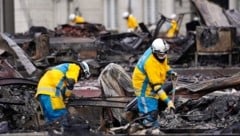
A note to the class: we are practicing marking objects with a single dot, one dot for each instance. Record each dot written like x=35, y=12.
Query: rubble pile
x=209, y=112
x=79, y=30
x=206, y=103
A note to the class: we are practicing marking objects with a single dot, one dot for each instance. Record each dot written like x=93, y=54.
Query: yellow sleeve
x=68, y=93
x=73, y=71
x=163, y=96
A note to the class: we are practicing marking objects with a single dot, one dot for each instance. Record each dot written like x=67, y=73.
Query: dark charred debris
x=206, y=58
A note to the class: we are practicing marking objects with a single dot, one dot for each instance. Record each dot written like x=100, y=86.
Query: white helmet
x=173, y=16
x=85, y=69
x=125, y=14
x=160, y=48
x=72, y=16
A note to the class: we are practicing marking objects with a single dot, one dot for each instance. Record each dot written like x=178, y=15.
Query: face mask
x=160, y=56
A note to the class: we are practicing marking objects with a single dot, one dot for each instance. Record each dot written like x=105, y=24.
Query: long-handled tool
x=174, y=80
x=128, y=125
x=174, y=83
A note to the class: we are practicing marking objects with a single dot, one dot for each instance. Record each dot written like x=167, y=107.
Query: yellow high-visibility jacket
x=173, y=29
x=149, y=75
x=132, y=22
x=78, y=19
x=52, y=83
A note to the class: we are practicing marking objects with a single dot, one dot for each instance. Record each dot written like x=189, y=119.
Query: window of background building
x=110, y=14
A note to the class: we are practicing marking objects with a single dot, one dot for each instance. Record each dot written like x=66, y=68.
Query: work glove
x=73, y=96
x=70, y=98
x=174, y=75
x=170, y=106
x=130, y=30
x=68, y=93
x=70, y=83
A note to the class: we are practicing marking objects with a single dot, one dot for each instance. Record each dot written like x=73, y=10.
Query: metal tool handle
x=172, y=111
x=174, y=83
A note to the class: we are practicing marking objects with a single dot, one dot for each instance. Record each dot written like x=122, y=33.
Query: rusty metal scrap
x=79, y=30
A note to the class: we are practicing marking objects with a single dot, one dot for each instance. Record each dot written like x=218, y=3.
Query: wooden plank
x=25, y=61
x=111, y=102
x=197, y=90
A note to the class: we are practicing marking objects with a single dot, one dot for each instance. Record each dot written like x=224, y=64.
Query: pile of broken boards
x=212, y=112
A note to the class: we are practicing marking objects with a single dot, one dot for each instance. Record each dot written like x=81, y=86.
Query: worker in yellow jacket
x=148, y=80
x=132, y=22
x=55, y=85
x=173, y=27
x=76, y=19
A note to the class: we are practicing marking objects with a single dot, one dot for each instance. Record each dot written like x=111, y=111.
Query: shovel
x=174, y=83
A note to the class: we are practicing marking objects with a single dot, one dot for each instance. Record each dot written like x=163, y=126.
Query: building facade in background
x=51, y=13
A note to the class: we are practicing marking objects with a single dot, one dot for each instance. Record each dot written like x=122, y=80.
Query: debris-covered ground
x=207, y=92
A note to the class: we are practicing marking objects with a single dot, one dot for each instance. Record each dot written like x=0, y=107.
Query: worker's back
x=79, y=19
x=132, y=22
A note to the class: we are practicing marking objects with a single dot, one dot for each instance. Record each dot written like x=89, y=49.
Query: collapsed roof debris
x=206, y=99
x=7, y=70
x=200, y=89
x=212, y=14
x=80, y=30
x=11, y=46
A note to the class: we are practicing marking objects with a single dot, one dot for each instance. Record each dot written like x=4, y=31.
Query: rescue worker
x=132, y=22
x=76, y=19
x=173, y=27
x=149, y=77
x=55, y=85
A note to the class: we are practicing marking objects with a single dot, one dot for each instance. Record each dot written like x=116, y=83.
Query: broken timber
x=12, y=46
x=111, y=102
x=197, y=90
